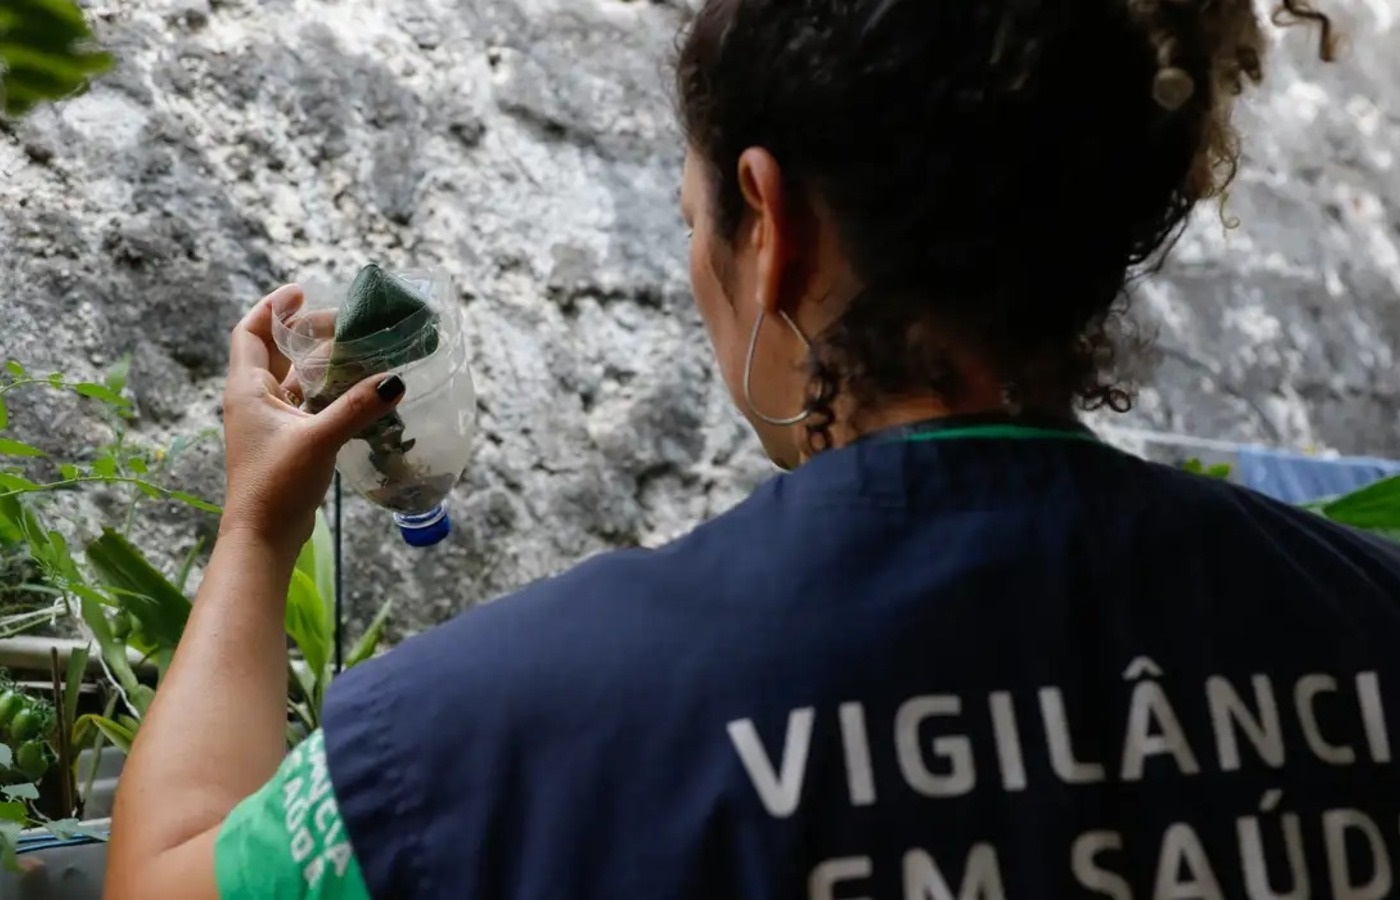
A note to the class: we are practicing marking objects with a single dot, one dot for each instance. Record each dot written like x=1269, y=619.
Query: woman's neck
x=851, y=425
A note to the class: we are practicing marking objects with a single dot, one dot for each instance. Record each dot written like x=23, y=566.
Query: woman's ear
x=768, y=224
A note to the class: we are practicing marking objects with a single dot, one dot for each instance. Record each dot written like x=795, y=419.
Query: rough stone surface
x=1284, y=330
x=527, y=147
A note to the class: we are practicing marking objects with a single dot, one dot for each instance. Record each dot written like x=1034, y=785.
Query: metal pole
x=339, y=583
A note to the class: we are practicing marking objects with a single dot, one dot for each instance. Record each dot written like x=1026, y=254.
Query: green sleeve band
x=287, y=841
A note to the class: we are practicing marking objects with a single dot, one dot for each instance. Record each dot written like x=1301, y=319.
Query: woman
x=961, y=649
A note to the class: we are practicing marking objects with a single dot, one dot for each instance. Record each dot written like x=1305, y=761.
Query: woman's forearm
x=217, y=728
x=216, y=731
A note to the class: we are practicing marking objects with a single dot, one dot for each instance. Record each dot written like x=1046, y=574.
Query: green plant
x=26, y=600
x=119, y=595
x=122, y=601
x=37, y=732
x=35, y=737
x=45, y=53
x=29, y=478
x=311, y=626
x=1374, y=508
x=25, y=721
x=118, y=462
x=1195, y=466
x=154, y=611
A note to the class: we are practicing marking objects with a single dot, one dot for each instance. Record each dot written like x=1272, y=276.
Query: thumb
x=357, y=409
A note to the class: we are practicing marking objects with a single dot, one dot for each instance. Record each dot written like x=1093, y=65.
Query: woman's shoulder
x=613, y=615
x=559, y=614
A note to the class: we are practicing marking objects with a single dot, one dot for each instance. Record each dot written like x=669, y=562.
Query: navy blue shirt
x=976, y=666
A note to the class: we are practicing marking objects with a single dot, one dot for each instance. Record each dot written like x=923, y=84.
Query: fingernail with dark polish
x=390, y=389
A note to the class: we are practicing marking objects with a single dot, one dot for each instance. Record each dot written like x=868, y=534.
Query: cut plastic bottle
x=382, y=323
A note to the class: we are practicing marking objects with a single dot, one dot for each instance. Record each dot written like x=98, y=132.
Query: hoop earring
x=748, y=371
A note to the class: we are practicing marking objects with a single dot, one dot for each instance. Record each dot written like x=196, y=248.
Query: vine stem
x=21, y=382
x=140, y=483
x=56, y=385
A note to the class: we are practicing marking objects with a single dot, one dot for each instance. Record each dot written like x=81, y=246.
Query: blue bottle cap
x=425, y=529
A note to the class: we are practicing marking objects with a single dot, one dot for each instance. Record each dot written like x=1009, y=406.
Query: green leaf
x=19, y=523
x=56, y=379
x=105, y=466
x=84, y=732
x=137, y=465
x=142, y=699
x=45, y=53
x=192, y=500
x=101, y=392
x=182, y=580
x=4, y=415
x=67, y=829
x=113, y=651
x=306, y=623
x=9, y=841
x=149, y=490
x=300, y=684
x=68, y=471
x=369, y=641
x=304, y=688
x=15, y=368
x=159, y=608
x=10, y=447
x=73, y=681
x=20, y=792
x=61, y=559
x=120, y=735
x=12, y=482
x=1196, y=467
x=11, y=516
x=86, y=593
x=14, y=810
x=1375, y=507
x=116, y=376
x=317, y=560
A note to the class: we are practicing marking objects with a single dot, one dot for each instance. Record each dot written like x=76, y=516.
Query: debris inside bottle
x=383, y=325
x=415, y=495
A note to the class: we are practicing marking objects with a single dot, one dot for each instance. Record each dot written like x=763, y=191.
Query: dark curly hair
x=997, y=169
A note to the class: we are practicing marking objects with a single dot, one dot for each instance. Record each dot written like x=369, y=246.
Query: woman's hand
x=279, y=458
x=218, y=727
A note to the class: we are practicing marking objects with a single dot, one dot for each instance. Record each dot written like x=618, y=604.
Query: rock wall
x=1284, y=330
x=527, y=146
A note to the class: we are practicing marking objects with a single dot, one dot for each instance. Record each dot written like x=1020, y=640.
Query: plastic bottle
x=408, y=324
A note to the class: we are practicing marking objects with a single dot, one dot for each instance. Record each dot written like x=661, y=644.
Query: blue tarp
x=1297, y=478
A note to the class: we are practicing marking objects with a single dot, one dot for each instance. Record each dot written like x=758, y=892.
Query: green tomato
x=11, y=702
x=29, y=722
x=33, y=760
